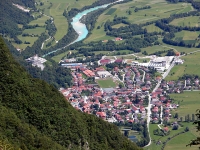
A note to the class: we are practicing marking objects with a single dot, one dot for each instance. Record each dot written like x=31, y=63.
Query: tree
x=197, y=123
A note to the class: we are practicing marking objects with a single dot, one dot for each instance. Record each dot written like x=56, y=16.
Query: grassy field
x=186, y=36
x=111, y=11
x=119, y=25
x=106, y=83
x=177, y=143
x=192, y=21
x=57, y=58
x=159, y=9
x=189, y=102
x=155, y=48
x=152, y=28
x=23, y=39
x=55, y=9
x=35, y=31
x=39, y=21
x=190, y=66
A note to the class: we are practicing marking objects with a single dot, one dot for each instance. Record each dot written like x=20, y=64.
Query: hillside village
x=134, y=86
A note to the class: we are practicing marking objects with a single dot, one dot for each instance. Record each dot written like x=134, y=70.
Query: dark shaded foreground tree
x=197, y=122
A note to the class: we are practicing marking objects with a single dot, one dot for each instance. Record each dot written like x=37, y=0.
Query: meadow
x=192, y=21
x=57, y=58
x=186, y=36
x=152, y=28
x=189, y=102
x=159, y=9
x=106, y=83
x=191, y=65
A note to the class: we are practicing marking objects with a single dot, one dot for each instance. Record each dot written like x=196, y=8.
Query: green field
x=111, y=11
x=191, y=65
x=39, y=21
x=186, y=35
x=119, y=25
x=23, y=39
x=56, y=11
x=159, y=9
x=106, y=83
x=192, y=21
x=35, y=31
x=155, y=48
x=57, y=58
x=152, y=28
x=189, y=103
x=177, y=143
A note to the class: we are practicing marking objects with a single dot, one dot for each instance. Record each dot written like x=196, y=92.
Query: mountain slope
x=35, y=116
x=11, y=16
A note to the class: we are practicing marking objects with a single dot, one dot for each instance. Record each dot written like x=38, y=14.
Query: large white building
x=161, y=63
x=37, y=61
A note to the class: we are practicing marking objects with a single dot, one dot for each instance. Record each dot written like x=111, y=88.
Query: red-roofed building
x=105, y=61
x=101, y=115
x=89, y=73
x=118, y=60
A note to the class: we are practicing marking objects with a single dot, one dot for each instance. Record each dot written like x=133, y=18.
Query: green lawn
x=106, y=83
x=191, y=65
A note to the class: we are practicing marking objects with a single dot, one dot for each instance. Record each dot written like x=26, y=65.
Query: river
x=79, y=27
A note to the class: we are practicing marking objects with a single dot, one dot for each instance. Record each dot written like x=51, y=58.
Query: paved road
x=149, y=105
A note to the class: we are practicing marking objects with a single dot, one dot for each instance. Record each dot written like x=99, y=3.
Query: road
x=149, y=105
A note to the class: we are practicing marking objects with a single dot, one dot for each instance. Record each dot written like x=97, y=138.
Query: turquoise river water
x=79, y=27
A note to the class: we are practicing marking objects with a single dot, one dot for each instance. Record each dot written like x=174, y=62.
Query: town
x=119, y=90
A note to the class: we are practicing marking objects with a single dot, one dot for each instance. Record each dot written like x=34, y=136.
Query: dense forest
x=11, y=16
x=35, y=116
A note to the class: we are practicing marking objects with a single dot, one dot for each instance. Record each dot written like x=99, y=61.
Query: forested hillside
x=11, y=16
x=35, y=116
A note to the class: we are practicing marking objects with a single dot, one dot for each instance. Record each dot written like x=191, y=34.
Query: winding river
x=79, y=27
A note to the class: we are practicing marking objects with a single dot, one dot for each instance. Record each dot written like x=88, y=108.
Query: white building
x=161, y=63
x=104, y=74
x=37, y=61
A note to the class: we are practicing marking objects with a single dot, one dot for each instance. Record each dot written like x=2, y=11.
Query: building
x=37, y=61
x=161, y=63
x=71, y=65
x=105, y=61
x=104, y=74
x=89, y=73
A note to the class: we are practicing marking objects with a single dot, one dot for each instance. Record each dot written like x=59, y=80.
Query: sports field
x=106, y=83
